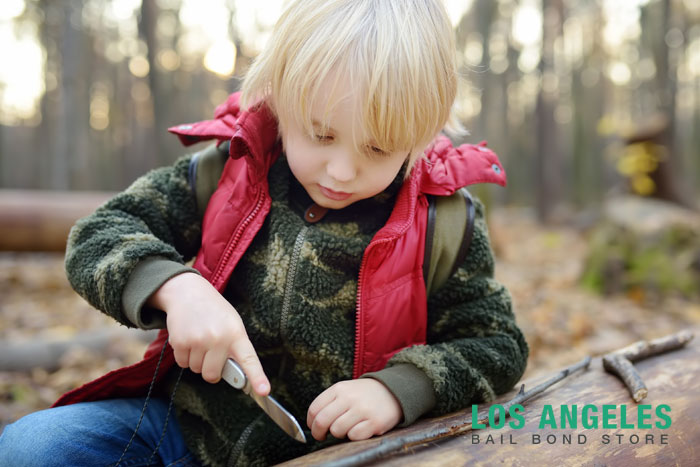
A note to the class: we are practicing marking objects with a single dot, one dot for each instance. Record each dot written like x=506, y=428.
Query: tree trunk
x=72, y=126
x=548, y=170
x=65, y=131
x=668, y=177
x=45, y=131
x=147, y=30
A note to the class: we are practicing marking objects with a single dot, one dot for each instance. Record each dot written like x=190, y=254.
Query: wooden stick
x=643, y=349
x=389, y=446
x=620, y=361
x=623, y=368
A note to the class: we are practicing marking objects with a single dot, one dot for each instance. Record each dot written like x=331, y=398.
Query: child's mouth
x=334, y=195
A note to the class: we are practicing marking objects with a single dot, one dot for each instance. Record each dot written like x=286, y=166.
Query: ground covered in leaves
x=540, y=266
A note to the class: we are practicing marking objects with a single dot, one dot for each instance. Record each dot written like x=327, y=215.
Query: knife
x=233, y=375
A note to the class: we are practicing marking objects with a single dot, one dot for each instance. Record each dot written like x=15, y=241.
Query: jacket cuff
x=145, y=279
x=411, y=387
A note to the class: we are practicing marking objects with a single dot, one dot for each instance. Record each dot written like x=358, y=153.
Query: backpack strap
x=206, y=167
x=449, y=233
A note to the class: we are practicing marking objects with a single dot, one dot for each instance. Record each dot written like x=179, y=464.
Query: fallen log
x=38, y=353
x=671, y=378
x=40, y=220
x=444, y=431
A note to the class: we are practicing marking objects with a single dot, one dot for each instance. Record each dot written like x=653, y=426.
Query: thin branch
x=389, y=446
x=620, y=361
x=623, y=368
x=643, y=349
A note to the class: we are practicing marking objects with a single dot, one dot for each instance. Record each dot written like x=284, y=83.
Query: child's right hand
x=205, y=330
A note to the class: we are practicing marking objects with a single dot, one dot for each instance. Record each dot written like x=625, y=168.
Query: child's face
x=329, y=166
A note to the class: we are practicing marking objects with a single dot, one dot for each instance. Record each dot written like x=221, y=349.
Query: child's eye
x=375, y=151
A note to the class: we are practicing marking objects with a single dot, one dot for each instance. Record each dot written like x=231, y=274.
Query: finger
x=340, y=427
x=213, y=365
x=182, y=358
x=326, y=417
x=243, y=352
x=362, y=430
x=196, y=360
x=322, y=400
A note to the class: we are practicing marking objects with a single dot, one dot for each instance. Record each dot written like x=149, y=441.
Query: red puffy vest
x=391, y=299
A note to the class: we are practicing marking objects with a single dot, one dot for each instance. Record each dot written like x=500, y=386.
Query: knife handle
x=233, y=374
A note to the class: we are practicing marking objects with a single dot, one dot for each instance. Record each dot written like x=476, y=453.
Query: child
x=308, y=267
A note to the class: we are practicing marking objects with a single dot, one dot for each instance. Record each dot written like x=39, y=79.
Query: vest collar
x=445, y=169
x=255, y=135
x=252, y=133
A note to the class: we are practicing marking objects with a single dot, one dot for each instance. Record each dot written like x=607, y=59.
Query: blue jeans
x=95, y=434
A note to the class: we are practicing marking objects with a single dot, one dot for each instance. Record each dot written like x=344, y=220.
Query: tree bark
x=147, y=29
x=72, y=126
x=669, y=180
x=548, y=169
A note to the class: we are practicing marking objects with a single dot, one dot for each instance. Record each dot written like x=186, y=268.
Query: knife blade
x=233, y=374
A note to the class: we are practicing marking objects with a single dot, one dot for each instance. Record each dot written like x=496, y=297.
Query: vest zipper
x=236, y=238
x=358, y=363
x=359, y=325
x=359, y=316
x=289, y=285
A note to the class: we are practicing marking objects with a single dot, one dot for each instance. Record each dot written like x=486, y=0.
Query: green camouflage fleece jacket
x=295, y=290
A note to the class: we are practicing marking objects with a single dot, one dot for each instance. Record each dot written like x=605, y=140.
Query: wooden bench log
x=40, y=220
x=27, y=355
x=672, y=378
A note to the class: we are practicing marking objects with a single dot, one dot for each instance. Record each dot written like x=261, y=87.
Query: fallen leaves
x=37, y=303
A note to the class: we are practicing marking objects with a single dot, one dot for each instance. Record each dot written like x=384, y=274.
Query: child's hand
x=205, y=330
x=358, y=409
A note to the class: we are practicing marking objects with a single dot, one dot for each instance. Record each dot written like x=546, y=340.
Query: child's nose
x=341, y=168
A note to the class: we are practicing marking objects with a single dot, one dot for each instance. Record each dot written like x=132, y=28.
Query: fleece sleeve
x=154, y=219
x=474, y=349
x=411, y=387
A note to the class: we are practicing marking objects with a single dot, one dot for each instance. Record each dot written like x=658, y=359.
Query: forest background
x=586, y=102
x=88, y=88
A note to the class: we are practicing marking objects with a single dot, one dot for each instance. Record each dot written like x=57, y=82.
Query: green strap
x=448, y=236
x=206, y=167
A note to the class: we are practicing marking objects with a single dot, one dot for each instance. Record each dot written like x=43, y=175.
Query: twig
x=623, y=368
x=388, y=446
x=643, y=349
x=620, y=361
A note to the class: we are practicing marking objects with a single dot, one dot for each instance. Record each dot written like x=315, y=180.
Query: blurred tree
x=70, y=151
x=548, y=166
x=660, y=31
x=147, y=30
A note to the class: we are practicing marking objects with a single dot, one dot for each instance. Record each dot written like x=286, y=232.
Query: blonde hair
x=399, y=56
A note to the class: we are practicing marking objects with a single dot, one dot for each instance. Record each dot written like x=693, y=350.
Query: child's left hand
x=358, y=409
